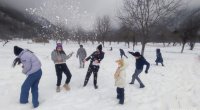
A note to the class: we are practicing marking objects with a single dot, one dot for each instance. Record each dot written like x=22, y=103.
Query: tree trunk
x=174, y=44
x=169, y=43
x=164, y=44
x=128, y=44
x=183, y=46
x=79, y=42
x=143, y=48
x=133, y=45
x=103, y=43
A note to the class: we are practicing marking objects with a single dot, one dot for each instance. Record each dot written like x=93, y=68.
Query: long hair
x=61, y=52
x=16, y=61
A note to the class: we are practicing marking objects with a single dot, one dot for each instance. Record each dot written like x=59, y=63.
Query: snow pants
x=92, y=69
x=60, y=68
x=120, y=95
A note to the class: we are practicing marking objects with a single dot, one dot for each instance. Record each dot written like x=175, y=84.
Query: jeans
x=32, y=82
x=135, y=76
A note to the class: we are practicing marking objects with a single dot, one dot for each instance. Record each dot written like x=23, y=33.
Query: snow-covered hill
x=173, y=87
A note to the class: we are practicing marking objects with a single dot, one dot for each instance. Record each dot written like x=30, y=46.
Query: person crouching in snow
x=120, y=80
x=59, y=57
x=159, y=58
x=31, y=67
x=140, y=62
x=95, y=59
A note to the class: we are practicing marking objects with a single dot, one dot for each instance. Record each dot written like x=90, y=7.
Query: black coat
x=159, y=58
x=95, y=56
x=122, y=52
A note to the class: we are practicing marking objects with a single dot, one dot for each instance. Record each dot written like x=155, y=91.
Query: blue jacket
x=140, y=62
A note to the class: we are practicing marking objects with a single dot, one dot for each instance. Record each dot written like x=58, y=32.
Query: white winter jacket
x=31, y=63
x=120, y=76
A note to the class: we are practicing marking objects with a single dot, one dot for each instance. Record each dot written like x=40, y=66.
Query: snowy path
x=173, y=87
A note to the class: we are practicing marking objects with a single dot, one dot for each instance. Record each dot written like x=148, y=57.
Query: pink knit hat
x=59, y=45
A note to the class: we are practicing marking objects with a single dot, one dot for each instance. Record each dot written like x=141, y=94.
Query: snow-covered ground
x=173, y=87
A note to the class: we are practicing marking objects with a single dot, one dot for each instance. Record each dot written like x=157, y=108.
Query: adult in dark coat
x=122, y=53
x=95, y=59
x=140, y=62
x=159, y=58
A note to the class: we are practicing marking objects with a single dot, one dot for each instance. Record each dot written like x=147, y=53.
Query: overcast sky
x=93, y=7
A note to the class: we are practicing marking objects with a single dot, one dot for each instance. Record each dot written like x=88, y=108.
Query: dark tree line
x=140, y=21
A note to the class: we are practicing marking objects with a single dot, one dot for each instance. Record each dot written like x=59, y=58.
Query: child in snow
x=140, y=62
x=122, y=53
x=120, y=80
x=81, y=54
x=111, y=48
x=159, y=58
x=59, y=57
x=95, y=59
x=31, y=67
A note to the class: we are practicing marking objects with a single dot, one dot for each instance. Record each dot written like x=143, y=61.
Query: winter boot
x=121, y=102
x=142, y=86
x=85, y=83
x=117, y=96
x=58, y=89
x=66, y=86
x=95, y=86
x=156, y=63
x=131, y=83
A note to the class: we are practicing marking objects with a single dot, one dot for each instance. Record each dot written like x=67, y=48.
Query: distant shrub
x=40, y=40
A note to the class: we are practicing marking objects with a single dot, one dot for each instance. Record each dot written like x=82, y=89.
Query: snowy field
x=173, y=87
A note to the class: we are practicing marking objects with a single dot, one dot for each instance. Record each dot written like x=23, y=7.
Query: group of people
x=31, y=66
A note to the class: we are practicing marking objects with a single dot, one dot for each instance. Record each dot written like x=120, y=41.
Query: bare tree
x=102, y=28
x=189, y=26
x=141, y=14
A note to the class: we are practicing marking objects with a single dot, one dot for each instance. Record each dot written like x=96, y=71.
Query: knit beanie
x=99, y=47
x=17, y=50
x=59, y=45
x=136, y=54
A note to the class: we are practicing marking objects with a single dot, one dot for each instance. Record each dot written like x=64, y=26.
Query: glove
x=146, y=71
x=131, y=52
x=84, y=60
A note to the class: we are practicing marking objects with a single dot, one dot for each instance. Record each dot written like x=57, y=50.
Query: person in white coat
x=120, y=79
